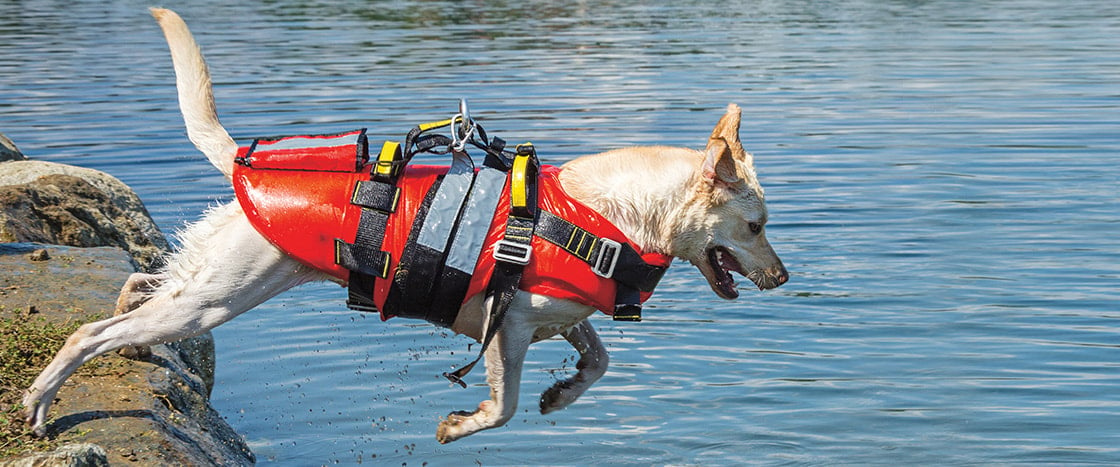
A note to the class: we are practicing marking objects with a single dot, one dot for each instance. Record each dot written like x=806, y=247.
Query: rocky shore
x=69, y=237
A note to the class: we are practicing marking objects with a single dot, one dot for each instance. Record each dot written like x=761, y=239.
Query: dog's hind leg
x=136, y=290
x=504, y=359
x=592, y=365
x=224, y=269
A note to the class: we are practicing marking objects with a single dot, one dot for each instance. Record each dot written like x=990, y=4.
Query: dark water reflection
x=942, y=180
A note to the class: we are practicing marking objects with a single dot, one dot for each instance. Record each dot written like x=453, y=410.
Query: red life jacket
x=302, y=204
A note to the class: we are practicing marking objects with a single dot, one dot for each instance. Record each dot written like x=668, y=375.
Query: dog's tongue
x=723, y=263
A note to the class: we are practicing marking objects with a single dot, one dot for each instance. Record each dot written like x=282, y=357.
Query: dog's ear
x=728, y=126
x=728, y=168
x=728, y=130
x=719, y=163
x=725, y=150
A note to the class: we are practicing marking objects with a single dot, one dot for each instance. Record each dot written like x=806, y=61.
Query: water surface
x=942, y=179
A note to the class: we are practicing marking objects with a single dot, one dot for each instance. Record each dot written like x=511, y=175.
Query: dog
x=705, y=207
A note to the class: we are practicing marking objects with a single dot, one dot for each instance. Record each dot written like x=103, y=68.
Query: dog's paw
x=460, y=424
x=39, y=431
x=557, y=397
x=32, y=417
x=450, y=428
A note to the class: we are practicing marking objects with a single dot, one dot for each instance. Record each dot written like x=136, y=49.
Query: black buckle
x=362, y=306
x=632, y=313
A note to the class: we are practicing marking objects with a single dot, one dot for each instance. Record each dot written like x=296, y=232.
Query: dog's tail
x=196, y=98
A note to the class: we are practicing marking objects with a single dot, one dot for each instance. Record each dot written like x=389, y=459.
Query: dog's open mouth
x=722, y=263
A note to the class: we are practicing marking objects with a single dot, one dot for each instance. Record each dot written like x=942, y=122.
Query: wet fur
x=695, y=205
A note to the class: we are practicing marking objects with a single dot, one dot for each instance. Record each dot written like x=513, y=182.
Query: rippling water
x=942, y=179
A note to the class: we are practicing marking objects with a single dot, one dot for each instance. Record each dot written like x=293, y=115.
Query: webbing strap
x=424, y=290
x=627, y=303
x=512, y=252
x=607, y=258
x=376, y=195
x=364, y=258
x=378, y=200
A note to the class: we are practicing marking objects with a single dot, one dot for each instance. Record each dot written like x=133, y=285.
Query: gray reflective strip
x=446, y=203
x=300, y=142
x=476, y=220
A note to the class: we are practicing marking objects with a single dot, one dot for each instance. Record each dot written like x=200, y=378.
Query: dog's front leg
x=504, y=359
x=591, y=366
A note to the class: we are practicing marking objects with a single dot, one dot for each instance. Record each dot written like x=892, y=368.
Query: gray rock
x=59, y=204
x=9, y=151
x=151, y=412
x=70, y=455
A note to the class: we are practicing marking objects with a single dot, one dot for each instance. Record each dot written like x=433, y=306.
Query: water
x=942, y=181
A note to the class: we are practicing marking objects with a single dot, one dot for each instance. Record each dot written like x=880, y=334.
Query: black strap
x=627, y=303
x=418, y=266
x=629, y=268
x=513, y=253
x=377, y=195
x=364, y=258
x=607, y=258
x=378, y=198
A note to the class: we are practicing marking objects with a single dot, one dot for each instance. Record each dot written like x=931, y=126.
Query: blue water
x=942, y=179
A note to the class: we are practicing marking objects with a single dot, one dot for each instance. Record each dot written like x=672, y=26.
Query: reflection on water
x=941, y=177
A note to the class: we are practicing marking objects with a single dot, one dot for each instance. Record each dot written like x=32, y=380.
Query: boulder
x=60, y=204
x=70, y=455
x=151, y=411
x=154, y=411
x=9, y=151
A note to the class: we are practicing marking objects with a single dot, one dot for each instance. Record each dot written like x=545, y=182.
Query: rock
x=9, y=151
x=59, y=204
x=39, y=255
x=151, y=412
x=70, y=455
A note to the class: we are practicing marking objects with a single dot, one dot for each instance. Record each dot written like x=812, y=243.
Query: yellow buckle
x=386, y=161
x=519, y=193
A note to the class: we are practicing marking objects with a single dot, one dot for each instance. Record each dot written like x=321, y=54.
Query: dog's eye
x=755, y=227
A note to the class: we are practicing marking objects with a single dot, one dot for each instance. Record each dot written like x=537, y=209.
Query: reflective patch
x=341, y=152
x=476, y=220
x=447, y=204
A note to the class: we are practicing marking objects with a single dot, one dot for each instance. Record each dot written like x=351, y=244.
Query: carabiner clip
x=462, y=128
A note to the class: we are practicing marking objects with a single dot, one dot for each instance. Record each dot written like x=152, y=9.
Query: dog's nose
x=783, y=276
x=772, y=277
x=776, y=277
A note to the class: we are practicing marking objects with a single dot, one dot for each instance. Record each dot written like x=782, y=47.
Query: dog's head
x=726, y=224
